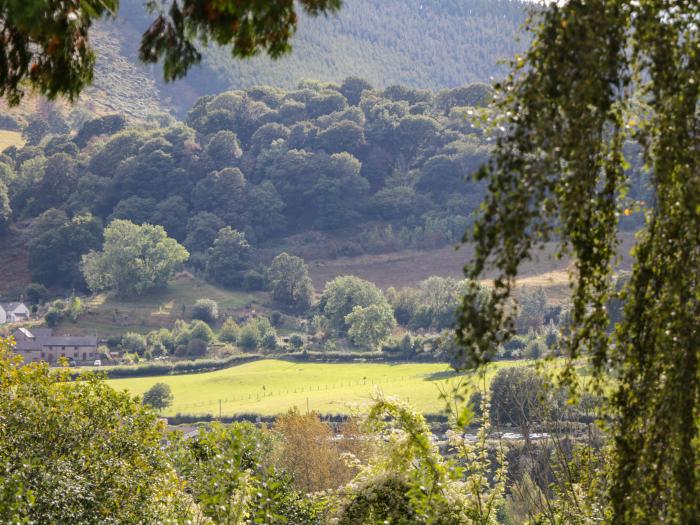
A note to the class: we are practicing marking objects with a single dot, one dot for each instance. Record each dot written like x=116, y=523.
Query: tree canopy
x=159, y=396
x=258, y=161
x=134, y=259
x=89, y=454
x=290, y=282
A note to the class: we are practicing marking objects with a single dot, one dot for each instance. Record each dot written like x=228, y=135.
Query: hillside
x=429, y=44
x=105, y=315
x=324, y=172
x=432, y=44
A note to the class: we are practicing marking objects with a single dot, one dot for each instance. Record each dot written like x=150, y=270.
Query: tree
x=229, y=331
x=172, y=214
x=222, y=193
x=134, y=342
x=308, y=451
x=223, y=150
x=106, y=125
x=35, y=293
x=201, y=231
x=53, y=56
x=58, y=181
x=229, y=258
x=404, y=302
x=370, y=325
x=135, y=209
x=120, y=474
x=255, y=333
x=517, y=395
x=341, y=136
x=533, y=305
x=53, y=233
x=410, y=482
x=266, y=135
x=352, y=88
x=205, y=310
x=226, y=468
x=200, y=330
x=36, y=129
x=5, y=210
x=342, y=294
x=290, y=282
x=248, y=336
x=265, y=207
x=159, y=396
x=438, y=298
x=134, y=259
x=600, y=73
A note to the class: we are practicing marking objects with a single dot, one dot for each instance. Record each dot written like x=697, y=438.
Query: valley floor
x=271, y=387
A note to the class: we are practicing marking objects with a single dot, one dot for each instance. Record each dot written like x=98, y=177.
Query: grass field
x=10, y=138
x=271, y=387
x=107, y=315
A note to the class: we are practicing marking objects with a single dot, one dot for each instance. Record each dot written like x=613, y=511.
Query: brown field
x=406, y=268
x=10, y=138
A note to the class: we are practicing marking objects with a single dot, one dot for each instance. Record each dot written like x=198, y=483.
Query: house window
x=63, y=348
x=43, y=355
x=75, y=354
x=75, y=347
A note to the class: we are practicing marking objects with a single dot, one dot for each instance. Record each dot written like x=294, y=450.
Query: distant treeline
x=416, y=43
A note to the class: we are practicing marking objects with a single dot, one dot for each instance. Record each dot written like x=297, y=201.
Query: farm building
x=39, y=344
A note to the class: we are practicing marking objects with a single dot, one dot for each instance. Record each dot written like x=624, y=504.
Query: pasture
x=270, y=387
x=107, y=315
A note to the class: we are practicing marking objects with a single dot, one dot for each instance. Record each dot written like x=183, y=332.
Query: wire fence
x=264, y=392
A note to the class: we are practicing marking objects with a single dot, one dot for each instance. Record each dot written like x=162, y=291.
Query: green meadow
x=270, y=387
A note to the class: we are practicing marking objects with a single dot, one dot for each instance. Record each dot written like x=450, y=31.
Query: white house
x=13, y=312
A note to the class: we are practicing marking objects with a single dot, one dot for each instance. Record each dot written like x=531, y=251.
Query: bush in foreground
x=118, y=474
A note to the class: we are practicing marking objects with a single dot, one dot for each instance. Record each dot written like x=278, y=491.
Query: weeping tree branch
x=601, y=73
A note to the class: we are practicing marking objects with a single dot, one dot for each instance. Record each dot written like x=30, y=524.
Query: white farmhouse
x=13, y=312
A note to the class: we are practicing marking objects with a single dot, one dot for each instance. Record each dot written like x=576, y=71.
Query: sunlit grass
x=10, y=138
x=271, y=387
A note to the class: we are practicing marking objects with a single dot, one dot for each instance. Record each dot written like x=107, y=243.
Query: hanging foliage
x=599, y=74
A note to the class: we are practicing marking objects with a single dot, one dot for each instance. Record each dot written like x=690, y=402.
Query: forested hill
x=418, y=43
x=346, y=168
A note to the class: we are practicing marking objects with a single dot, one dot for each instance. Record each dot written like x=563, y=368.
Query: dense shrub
x=229, y=331
x=253, y=281
x=205, y=310
x=134, y=343
x=196, y=347
x=200, y=330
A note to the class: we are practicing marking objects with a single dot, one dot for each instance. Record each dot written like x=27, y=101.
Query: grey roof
x=9, y=307
x=43, y=337
x=68, y=340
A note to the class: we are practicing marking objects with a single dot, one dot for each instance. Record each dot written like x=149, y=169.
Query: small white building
x=13, y=312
